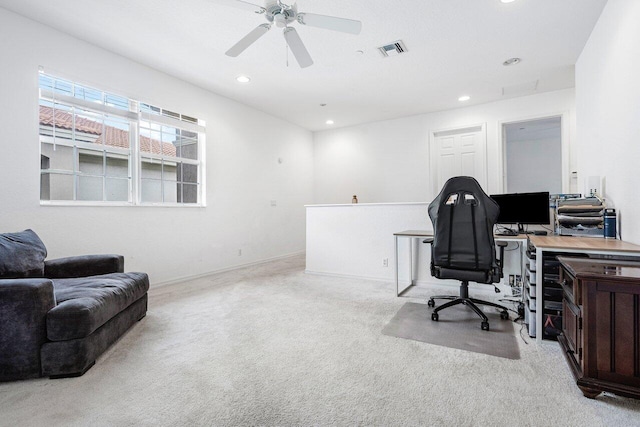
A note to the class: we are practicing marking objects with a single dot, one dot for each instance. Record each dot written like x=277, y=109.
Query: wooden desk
x=423, y=234
x=572, y=244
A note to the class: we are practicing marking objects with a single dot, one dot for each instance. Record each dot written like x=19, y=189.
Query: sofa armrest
x=24, y=304
x=83, y=266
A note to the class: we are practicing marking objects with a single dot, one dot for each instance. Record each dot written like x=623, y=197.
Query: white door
x=458, y=152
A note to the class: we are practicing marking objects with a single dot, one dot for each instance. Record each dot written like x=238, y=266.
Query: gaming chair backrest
x=463, y=216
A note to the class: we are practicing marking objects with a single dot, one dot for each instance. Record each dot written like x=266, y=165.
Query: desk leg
x=397, y=272
x=397, y=265
x=412, y=241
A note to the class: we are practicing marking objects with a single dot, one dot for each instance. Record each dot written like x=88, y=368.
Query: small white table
x=410, y=234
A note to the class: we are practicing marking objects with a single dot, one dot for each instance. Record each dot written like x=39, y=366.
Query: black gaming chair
x=462, y=247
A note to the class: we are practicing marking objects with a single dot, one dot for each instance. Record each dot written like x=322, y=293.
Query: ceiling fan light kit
x=282, y=15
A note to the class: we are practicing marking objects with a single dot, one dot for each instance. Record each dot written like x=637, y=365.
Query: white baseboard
x=347, y=276
x=223, y=270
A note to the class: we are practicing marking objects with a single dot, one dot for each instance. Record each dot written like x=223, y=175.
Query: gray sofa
x=57, y=316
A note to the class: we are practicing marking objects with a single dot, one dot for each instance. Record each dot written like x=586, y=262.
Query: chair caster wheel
x=485, y=326
x=431, y=303
x=434, y=317
x=504, y=315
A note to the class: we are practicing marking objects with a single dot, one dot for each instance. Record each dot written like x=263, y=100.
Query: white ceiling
x=455, y=47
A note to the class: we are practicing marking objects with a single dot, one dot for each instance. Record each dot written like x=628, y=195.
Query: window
x=103, y=148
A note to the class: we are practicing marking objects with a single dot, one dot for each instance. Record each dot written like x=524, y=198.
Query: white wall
x=608, y=110
x=388, y=161
x=534, y=165
x=243, y=172
x=355, y=239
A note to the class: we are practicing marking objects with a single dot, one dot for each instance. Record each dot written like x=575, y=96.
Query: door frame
x=433, y=166
x=564, y=146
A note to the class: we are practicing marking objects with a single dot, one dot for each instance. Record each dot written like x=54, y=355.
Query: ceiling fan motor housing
x=279, y=15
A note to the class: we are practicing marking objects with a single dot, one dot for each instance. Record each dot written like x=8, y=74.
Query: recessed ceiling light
x=243, y=79
x=511, y=61
x=507, y=1
x=329, y=122
x=464, y=98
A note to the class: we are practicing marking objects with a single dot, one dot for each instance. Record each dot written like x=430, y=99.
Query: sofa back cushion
x=22, y=255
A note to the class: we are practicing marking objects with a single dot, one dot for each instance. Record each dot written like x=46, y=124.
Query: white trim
x=88, y=203
x=355, y=205
x=223, y=270
x=170, y=121
x=348, y=276
x=96, y=107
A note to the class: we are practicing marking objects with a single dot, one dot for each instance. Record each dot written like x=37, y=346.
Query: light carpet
x=269, y=345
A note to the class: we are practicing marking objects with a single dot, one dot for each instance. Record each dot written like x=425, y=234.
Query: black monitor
x=523, y=208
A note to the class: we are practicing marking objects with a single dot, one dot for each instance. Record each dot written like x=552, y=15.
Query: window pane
x=171, y=192
x=89, y=188
x=56, y=186
x=88, y=94
x=91, y=163
x=169, y=171
x=188, y=173
x=151, y=191
x=189, y=193
x=45, y=82
x=58, y=157
x=116, y=133
x=151, y=169
x=117, y=190
x=117, y=101
x=117, y=165
x=62, y=86
x=168, y=141
x=188, y=145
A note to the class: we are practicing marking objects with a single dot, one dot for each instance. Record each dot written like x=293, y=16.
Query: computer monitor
x=523, y=208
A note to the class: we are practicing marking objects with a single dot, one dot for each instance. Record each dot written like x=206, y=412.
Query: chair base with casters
x=464, y=299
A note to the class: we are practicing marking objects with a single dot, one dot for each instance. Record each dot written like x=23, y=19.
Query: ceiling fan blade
x=330, y=23
x=248, y=40
x=251, y=6
x=297, y=47
x=242, y=4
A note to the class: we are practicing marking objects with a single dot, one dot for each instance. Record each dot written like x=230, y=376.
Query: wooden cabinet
x=601, y=324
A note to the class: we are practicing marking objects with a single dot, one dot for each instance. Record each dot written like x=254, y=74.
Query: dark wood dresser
x=601, y=324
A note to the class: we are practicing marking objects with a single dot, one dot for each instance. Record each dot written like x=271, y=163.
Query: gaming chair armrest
x=428, y=240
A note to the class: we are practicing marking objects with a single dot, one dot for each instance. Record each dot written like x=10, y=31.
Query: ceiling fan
x=281, y=14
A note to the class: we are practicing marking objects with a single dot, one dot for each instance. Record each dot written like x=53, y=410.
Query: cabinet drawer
x=571, y=287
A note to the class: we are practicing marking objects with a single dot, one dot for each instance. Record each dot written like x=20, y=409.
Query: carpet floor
x=271, y=345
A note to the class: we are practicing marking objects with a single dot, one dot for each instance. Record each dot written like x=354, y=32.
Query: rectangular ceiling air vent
x=393, y=49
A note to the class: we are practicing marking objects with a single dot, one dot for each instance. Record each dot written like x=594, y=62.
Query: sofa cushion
x=86, y=303
x=22, y=255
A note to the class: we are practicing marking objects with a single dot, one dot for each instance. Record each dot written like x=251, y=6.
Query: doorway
x=533, y=156
x=456, y=152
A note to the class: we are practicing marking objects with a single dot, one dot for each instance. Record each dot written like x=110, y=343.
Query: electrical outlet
x=385, y=262
x=239, y=252
x=274, y=203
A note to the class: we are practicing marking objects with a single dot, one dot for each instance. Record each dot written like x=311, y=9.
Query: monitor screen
x=523, y=208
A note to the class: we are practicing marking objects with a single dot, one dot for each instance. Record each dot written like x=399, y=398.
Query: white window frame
x=135, y=116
